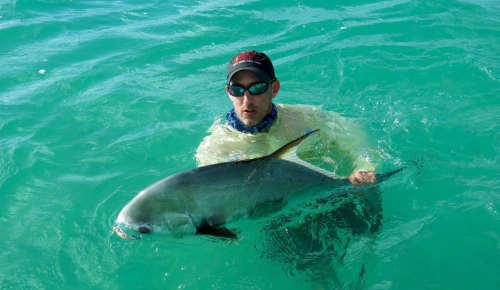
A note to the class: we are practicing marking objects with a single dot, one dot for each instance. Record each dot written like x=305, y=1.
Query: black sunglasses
x=255, y=89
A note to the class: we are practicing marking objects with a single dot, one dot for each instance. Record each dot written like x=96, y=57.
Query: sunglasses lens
x=258, y=89
x=236, y=91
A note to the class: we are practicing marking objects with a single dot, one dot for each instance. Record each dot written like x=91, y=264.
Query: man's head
x=251, y=72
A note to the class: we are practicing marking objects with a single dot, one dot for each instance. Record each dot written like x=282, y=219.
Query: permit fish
x=204, y=199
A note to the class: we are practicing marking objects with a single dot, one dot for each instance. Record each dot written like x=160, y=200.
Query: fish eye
x=145, y=229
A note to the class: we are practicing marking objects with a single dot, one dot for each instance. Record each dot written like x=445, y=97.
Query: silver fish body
x=202, y=200
x=216, y=194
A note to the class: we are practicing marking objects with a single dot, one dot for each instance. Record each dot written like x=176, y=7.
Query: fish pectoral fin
x=217, y=231
x=221, y=232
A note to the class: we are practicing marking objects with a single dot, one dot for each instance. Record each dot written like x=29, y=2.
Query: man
x=257, y=127
x=308, y=241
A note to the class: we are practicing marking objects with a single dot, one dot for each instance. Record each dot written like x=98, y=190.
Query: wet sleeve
x=344, y=143
x=352, y=138
x=207, y=152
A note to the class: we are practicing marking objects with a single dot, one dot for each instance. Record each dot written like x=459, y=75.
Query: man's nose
x=247, y=97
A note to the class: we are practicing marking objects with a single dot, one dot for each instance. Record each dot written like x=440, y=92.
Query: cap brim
x=259, y=73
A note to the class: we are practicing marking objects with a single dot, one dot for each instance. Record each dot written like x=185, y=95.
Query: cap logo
x=247, y=57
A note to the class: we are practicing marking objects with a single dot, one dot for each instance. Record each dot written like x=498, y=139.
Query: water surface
x=99, y=99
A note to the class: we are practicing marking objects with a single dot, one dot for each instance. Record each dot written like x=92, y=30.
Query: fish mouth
x=117, y=228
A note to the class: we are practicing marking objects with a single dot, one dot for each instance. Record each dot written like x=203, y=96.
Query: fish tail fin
x=289, y=153
x=383, y=176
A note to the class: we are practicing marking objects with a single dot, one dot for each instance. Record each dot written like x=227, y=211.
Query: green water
x=99, y=99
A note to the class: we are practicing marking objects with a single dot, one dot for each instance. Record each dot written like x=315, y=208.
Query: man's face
x=252, y=109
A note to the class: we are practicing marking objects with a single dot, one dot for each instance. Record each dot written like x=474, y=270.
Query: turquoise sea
x=99, y=99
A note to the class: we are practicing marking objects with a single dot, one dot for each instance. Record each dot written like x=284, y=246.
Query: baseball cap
x=254, y=61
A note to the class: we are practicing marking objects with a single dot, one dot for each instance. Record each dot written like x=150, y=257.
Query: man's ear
x=275, y=88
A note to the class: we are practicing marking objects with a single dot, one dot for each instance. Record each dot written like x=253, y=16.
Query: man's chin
x=250, y=123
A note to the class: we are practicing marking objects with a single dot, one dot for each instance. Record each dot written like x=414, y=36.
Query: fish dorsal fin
x=289, y=153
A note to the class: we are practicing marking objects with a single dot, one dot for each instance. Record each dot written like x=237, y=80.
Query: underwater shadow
x=327, y=238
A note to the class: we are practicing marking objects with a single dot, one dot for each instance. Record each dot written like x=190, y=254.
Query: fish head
x=133, y=227
x=137, y=217
x=128, y=231
x=155, y=209
x=177, y=226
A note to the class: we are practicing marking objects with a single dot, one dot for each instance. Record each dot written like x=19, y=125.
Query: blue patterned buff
x=236, y=123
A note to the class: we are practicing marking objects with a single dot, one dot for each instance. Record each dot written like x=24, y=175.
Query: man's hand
x=361, y=178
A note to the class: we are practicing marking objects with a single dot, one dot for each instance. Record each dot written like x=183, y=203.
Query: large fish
x=202, y=200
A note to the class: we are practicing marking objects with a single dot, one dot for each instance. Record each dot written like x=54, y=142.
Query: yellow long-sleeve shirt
x=339, y=147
